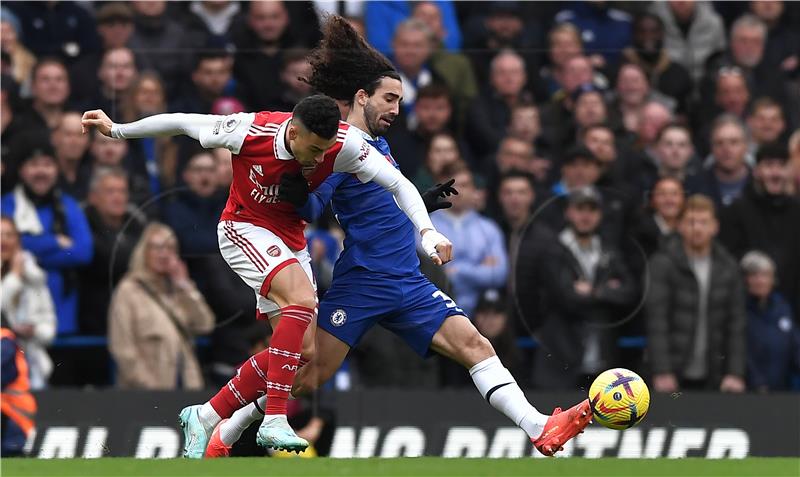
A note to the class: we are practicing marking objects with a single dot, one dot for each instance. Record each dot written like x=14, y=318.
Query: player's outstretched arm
x=210, y=129
x=369, y=165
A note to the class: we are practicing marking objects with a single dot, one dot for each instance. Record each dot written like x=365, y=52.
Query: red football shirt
x=260, y=158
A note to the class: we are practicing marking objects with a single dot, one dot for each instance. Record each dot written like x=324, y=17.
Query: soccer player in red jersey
x=376, y=279
x=261, y=237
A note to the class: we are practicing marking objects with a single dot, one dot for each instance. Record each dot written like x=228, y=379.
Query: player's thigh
x=330, y=353
x=422, y=312
x=459, y=340
x=353, y=305
x=266, y=264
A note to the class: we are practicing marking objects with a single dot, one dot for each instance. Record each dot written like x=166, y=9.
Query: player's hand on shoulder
x=439, y=191
x=437, y=247
x=294, y=189
x=96, y=118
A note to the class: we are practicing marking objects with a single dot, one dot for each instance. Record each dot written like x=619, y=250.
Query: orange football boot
x=561, y=427
x=215, y=447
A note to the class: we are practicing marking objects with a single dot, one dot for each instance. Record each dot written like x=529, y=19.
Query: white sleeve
x=211, y=130
x=370, y=165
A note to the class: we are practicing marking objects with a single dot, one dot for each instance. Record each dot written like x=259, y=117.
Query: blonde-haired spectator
x=155, y=314
x=26, y=302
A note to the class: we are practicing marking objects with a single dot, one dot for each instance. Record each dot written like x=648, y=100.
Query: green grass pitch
x=418, y=467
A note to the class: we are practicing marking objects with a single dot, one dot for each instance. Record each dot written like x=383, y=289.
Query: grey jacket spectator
x=693, y=32
x=695, y=309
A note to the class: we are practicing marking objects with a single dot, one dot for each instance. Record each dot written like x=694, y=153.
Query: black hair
x=47, y=60
x=319, y=114
x=517, y=174
x=344, y=62
x=205, y=55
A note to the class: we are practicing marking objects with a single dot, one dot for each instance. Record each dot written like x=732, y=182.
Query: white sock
x=231, y=430
x=498, y=386
x=208, y=417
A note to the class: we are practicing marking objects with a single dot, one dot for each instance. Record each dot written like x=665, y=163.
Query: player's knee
x=479, y=346
x=308, y=352
x=307, y=300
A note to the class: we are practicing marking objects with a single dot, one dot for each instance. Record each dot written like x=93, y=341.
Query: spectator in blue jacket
x=773, y=340
x=52, y=225
x=382, y=17
x=605, y=31
x=194, y=213
x=482, y=262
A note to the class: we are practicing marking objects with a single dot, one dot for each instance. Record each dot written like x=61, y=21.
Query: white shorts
x=256, y=255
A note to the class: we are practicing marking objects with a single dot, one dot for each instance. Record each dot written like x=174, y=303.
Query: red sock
x=284, y=355
x=251, y=377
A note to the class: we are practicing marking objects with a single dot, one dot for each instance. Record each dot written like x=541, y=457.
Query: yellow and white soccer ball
x=619, y=398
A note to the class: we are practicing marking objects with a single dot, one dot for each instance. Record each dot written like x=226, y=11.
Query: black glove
x=294, y=189
x=431, y=196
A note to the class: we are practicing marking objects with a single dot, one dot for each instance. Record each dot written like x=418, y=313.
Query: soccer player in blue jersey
x=377, y=279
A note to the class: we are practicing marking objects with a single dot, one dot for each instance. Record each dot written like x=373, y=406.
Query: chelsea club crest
x=338, y=317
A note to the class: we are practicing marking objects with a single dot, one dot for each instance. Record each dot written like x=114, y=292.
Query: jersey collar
x=281, y=151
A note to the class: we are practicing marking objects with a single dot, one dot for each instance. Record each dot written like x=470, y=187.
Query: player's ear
x=362, y=97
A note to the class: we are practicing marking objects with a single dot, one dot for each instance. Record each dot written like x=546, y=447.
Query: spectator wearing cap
x=20, y=58
x=729, y=171
x=211, y=75
x=773, y=337
x=692, y=32
x=581, y=168
x=605, y=31
x=694, y=310
x=766, y=217
x=490, y=113
x=483, y=263
x=52, y=225
x=663, y=73
x=588, y=288
x=114, y=27
x=62, y=29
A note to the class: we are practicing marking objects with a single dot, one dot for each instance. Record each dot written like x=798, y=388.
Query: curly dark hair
x=319, y=114
x=344, y=62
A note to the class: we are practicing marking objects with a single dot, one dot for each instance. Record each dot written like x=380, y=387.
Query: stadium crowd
x=629, y=178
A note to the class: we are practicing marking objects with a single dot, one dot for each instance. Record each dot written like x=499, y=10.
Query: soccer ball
x=619, y=398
